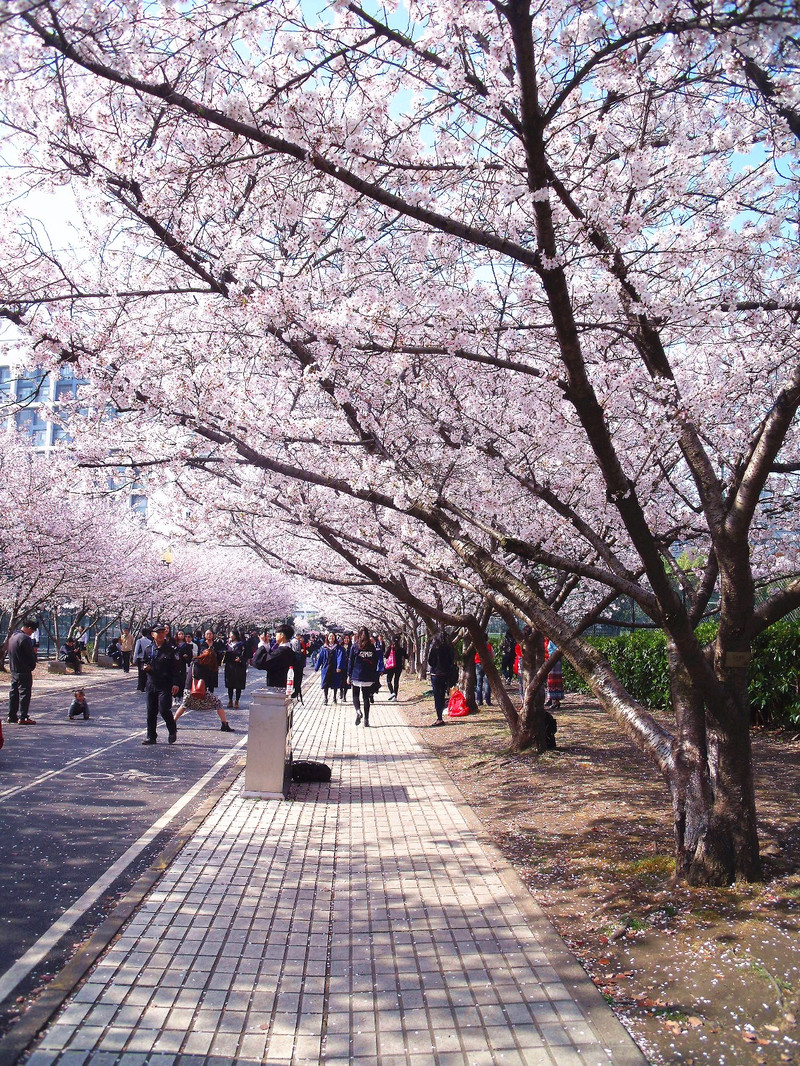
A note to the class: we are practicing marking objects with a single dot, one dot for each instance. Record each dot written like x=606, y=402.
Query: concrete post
x=269, y=746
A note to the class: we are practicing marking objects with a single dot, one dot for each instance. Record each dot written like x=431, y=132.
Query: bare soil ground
x=698, y=976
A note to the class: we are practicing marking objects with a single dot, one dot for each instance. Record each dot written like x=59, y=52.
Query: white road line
x=38, y=951
x=15, y=791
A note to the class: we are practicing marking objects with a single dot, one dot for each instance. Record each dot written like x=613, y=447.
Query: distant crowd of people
x=181, y=672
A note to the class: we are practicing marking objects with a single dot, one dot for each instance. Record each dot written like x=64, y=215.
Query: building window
x=6, y=384
x=31, y=422
x=60, y=435
x=32, y=387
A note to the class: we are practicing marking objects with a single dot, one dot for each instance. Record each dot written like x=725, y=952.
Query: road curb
x=24, y=1032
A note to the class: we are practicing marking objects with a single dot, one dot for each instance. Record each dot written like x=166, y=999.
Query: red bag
x=457, y=705
x=198, y=686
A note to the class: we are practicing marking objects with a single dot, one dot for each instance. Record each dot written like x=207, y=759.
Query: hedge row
x=639, y=660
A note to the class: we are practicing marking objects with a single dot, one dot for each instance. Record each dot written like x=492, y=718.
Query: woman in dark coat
x=331, y=661
x=362, y=672
x=206, y=665
x=441, y=660
x=184, y=653
x=235, y=662
x=347, y=647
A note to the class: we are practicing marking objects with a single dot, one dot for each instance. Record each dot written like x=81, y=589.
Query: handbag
x=198, y=687
x=389, y=664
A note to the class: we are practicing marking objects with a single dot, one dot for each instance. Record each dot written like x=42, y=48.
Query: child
x=79, y=706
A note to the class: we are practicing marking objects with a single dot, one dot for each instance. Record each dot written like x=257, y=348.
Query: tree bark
x=467, y=679
x=711, y=784
x=533, y=720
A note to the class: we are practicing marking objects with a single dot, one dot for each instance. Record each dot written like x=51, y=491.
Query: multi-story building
x=28, y=396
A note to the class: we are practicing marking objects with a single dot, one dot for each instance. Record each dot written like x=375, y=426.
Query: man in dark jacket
x=277, y=660
x=161, y=670
x=21, y=664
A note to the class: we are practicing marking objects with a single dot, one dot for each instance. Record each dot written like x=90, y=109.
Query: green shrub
x=639, y=659
x=775, y=675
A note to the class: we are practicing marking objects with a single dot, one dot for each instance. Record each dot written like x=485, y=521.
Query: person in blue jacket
x=362, y=672
x=331, y=660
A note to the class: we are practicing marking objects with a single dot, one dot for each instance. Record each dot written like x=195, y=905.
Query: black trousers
x=126, y=661
x=368, y=697
x=159, y=702
x=19, y=698
x=142, y=683
x=440, y=689
x=393, y=680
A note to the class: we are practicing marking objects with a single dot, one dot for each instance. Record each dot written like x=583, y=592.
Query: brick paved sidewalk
x=362, y=922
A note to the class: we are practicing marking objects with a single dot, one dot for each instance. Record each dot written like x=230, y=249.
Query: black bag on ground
x=314, y=772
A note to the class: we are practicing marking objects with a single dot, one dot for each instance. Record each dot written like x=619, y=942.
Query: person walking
x=235, y=662
x=331, y=664
x=126, y=649
x=300, y=658
x=441, y=661
x=143, y=646
x=362, y=673
x=161, y=671
x=394, y=662
x=21, y=664
x=347, y=647
x=198, y=699
x=206, y=663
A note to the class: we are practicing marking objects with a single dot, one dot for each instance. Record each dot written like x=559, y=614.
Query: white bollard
x=269, y=746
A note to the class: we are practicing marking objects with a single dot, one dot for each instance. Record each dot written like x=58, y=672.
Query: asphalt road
x=85, y=808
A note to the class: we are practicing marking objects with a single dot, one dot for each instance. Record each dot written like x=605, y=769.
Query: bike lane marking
x=48, y=774
x=48, y=940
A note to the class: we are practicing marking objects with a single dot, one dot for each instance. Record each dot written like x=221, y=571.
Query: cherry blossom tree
x=58, y=546
x=515, y=284
x=64, y=543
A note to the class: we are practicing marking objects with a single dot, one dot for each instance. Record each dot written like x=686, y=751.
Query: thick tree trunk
x=533, y=718
x=716, y=838
x=520, y=739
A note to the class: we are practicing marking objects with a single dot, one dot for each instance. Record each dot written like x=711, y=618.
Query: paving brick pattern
x=363, y=922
